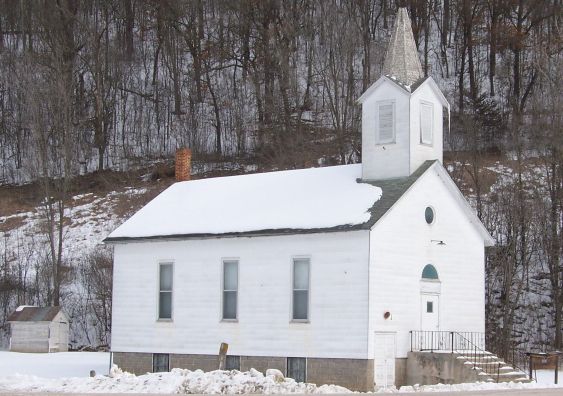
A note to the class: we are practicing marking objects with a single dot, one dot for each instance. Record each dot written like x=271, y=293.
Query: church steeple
x=401, y=59
x=402, y=112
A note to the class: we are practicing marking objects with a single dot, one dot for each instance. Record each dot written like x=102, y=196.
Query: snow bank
x=296, y=199
x=69, y=372
x=177, y=381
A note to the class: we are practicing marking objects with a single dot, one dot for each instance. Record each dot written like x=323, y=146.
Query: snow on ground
x=467, y=387
x=177, y=381
x=547, y=376
x=53, y=365
x=69, y=372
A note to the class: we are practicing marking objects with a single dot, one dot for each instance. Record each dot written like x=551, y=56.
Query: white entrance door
x=384, y=360
x=430, y=312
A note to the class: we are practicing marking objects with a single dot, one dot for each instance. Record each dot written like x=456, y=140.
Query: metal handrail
x=479, y=358
x=461, y=343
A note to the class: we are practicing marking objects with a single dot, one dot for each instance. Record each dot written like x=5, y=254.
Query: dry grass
x=12, y=223
x=20, y=199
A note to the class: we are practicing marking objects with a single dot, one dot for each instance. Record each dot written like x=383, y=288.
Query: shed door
x=384, y=360
x=430, y=312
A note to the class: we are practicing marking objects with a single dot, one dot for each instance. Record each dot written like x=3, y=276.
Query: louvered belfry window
x=426, y=113
x=386, y=125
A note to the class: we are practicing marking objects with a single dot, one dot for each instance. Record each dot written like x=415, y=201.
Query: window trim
x=158, y=291
x=292, y=290
x=380, y=103
x=421, y=136
x=232, y=356
x=152, y=362
x=222, y=291
x=287, y=366
x=433, y=215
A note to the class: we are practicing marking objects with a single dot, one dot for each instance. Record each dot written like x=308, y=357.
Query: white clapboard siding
x=422, y=151
x=400, y=248
x=58, y=341
x=384, y=159
x=29, y=337
x=338, y=296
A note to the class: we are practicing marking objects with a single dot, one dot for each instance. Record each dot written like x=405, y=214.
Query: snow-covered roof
x=307, y=200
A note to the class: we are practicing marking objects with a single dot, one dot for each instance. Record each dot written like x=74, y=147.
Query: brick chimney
x=183, y=164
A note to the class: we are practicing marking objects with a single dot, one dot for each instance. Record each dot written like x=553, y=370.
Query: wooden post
x=223, y=355
x=556, y=368
x=530, y=365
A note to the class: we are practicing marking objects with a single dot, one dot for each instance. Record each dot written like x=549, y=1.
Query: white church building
x=325, y=273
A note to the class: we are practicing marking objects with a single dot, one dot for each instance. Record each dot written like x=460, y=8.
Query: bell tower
x=401, y=112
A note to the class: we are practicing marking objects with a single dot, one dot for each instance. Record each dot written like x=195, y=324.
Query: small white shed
x=38, y=329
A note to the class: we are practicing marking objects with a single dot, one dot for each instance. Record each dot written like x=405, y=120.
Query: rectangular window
x=297, y=369
x=230, y=289
x=301, y=289
x=232, y=363
x=429, y=306
x=386, y=123
x=426, y=124
x=160, y=362
x=165, y=291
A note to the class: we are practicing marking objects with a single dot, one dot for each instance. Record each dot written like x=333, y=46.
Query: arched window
x=429, y=272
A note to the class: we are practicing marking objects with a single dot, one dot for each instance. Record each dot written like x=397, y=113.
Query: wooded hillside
x=97, y=84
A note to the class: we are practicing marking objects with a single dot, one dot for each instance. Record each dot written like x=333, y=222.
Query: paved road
x=512, y=392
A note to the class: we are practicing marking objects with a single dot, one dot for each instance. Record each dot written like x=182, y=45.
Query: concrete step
x=520, y=378
x=479, y=357
x=488, y=365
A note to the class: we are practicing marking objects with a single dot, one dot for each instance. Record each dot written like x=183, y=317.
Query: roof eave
x=376, y=84
x=244, y=234
x=435, y=88
x=410, y=182
x=488, y=240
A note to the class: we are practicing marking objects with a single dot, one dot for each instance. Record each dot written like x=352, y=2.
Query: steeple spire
x=401, y=59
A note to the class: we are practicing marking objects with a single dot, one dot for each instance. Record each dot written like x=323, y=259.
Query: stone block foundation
x=354, y=374
x=136, y=363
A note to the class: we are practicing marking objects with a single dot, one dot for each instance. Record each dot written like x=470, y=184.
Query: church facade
x=322, y=273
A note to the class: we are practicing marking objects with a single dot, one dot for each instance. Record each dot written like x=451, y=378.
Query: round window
x=429, y=215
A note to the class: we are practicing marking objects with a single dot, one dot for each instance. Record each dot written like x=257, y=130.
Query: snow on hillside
x=90, y=219
x=24, y=248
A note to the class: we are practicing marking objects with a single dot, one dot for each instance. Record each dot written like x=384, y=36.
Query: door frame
x=394, y=334
x=422, y=309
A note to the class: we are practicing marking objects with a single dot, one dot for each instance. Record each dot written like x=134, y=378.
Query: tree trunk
x=129, y=27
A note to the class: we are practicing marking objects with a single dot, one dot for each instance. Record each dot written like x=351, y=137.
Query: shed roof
x=34, y=314
x=289, y=202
